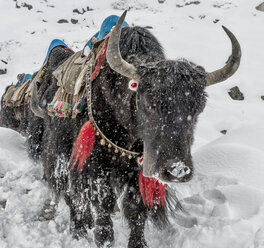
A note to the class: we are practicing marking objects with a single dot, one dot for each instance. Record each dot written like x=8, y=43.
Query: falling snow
x=225, y=199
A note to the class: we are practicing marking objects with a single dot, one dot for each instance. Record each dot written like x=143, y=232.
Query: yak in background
x=157, y=120
x=30, y=125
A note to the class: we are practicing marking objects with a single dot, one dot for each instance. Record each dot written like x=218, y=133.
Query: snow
x=226, y=196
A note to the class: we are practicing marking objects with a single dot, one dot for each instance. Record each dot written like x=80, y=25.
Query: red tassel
x=101, y=59
x=83, y=146
x=152, y=191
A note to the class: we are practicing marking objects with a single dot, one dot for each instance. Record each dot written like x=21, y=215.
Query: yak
x=143, y=108
x=29, y=125
x=12, y=116
x=35, y=124
x=7, y=115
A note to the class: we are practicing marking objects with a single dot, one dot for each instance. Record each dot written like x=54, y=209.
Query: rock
x=262, y=97
x=188, y=3
x=63, y=21
x=161, y=1
x=3, y=71
x=77, y=11
x=193, y=2
x=3, y=203
x=149, y=27
x=82, y=11
x=74, y=21
x=5, y=62
x=223, y=131
x=236, y=94
x=27, y=6
x=260, y=7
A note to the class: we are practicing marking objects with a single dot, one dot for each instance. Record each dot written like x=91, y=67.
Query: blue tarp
x=106, y=27
x=53, y=44
x=26, y=77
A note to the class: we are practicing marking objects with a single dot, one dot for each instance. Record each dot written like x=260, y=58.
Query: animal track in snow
x=215, y=196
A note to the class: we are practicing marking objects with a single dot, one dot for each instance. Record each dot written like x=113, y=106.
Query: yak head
x=170, y=96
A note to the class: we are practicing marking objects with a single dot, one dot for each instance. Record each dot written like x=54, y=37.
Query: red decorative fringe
x=84, y=143
x=152, y=191
x=101, y=59
x=83, y=146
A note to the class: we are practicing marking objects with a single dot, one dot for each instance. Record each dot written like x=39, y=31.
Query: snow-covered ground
x=226, y=195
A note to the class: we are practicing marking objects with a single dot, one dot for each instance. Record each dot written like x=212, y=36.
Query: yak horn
x=231, y=66
x=34, y=106
x=113, y=56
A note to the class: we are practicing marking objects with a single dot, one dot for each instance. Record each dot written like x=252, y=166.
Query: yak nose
x=176, y=172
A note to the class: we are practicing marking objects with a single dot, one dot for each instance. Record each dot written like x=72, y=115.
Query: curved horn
x=231, y=66
x=113, y=56
x=35, y=108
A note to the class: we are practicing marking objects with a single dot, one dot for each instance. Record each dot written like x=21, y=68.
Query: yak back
x=57, y=56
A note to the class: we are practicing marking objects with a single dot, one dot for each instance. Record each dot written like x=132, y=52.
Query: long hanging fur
x=152, y=191
x=83, y=146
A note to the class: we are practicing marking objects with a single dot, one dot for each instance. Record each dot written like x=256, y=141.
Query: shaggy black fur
x=30, y=125
x=9, y=118
x=7, y=115
x=170, y=97
x=35, y=125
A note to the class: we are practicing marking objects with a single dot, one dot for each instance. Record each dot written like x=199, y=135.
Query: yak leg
x=34, y=137
x=81, y=220
x=80, y=212
x=136, y=214
x=103, y=199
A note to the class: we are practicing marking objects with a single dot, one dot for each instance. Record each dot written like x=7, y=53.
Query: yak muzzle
x=175, y=172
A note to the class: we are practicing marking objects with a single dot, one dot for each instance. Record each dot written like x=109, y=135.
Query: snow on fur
x=226, y=195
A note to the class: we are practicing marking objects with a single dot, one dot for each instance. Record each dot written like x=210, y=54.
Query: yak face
x=170, y=97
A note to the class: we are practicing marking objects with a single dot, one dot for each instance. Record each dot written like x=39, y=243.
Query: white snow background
x=227, y=193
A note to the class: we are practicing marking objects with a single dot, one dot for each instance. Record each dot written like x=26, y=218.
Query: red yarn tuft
x=83, y=146
x=152, y=191
x=101, y=59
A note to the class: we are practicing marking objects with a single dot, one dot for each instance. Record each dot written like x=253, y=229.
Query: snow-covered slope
x=226, y=195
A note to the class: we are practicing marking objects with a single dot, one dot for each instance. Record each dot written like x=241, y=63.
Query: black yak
x=28, y=124
x=35, y=124
x=12, y=114
x=141, y=106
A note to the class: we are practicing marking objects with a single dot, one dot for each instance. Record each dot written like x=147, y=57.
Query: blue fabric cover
x=54, y=44
x=26, y=77
x=105, y=29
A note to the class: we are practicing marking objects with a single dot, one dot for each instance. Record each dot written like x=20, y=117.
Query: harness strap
x=89, y=78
